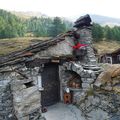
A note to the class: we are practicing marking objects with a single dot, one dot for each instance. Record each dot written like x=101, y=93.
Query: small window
x=29, y=84
x=109, y=60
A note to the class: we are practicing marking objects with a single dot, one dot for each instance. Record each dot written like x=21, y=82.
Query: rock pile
x=19, y=97
x=103, y=101
x=109, y=80
x=101, y=106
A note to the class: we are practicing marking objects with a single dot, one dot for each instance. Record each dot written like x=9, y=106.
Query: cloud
x=64, y=8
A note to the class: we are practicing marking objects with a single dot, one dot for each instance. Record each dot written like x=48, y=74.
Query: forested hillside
x=106, y=32
x=46, y=26
x=10, y=25
x=13, y=26
x=106, y=39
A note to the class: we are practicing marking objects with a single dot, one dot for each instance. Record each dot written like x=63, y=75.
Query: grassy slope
x=14, y=44
x=106, y=46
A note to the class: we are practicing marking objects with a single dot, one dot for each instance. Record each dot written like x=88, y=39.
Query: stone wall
x=26, y=93
x=86, y=38
x=26, y=99
x=86, y=66
x=62, y=48
x=7, y=111
x=87, y=78
x=20, y=96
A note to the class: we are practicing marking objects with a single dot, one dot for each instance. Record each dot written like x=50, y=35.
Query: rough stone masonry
x=20, y=72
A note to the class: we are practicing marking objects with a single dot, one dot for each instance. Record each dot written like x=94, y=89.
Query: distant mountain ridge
x=28, y=14
x=103, y=20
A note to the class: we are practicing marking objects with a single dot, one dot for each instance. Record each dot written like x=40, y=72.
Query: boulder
x=102, y=79
x=112, y=69
x=110, y=75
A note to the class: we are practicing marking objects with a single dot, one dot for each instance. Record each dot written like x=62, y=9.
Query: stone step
x=92, y=68
x=92, y=60
x=90, y=53
x=89, y=47
x=90, y=50
x=92, y=63
x=91, y=56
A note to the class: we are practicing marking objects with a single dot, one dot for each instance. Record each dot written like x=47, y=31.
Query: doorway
x=51, y=85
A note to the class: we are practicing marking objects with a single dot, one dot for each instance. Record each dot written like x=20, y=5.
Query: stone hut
x=111, y=58
x=41, y=74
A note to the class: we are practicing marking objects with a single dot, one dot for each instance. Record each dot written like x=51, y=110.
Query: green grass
x=14, y=44
x=106, y=46
x=90, y=92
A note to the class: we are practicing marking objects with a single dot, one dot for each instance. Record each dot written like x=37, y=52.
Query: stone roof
x=25, y=54
x=111, y=53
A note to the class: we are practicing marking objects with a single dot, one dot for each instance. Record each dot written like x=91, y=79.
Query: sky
x=65, y=8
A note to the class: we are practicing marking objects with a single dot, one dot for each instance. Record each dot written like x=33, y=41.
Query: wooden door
x=51, y=85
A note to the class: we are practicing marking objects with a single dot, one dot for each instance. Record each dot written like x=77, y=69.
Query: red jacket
x=78, y=46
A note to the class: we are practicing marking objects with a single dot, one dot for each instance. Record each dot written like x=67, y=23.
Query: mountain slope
x=104, y=20
x=10, y=25
x=28, y=14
